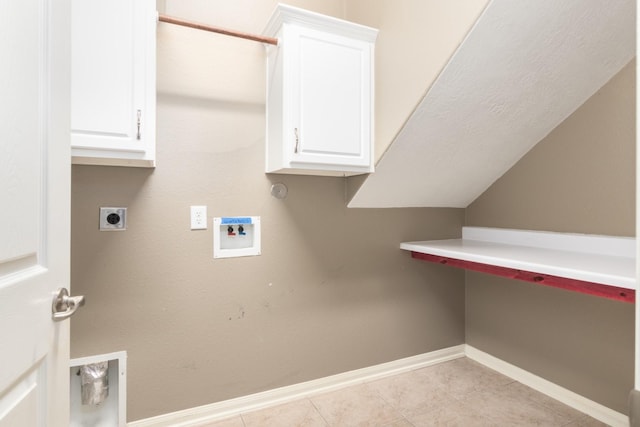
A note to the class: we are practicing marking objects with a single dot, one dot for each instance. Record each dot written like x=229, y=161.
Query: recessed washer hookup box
x=236, y=236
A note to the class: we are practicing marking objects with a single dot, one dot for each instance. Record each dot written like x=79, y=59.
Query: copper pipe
x=197, y=26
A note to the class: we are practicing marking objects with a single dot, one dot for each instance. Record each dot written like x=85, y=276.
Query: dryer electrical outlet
x=236, y=236
x=113, y=219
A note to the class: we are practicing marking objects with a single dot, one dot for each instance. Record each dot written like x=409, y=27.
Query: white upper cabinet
x=319, y=95
x=113, y=93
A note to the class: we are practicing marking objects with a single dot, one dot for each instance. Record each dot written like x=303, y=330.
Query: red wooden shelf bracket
x=590, y=288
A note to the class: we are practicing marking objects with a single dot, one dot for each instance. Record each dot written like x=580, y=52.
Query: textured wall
x=519, y=73
x=331, y=291
x=580, y=178
x=415, y=41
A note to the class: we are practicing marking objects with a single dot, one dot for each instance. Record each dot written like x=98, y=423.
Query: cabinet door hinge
x=139, y=122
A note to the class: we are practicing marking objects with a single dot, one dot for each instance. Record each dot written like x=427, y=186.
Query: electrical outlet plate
x=198, y=217
x=113, y=219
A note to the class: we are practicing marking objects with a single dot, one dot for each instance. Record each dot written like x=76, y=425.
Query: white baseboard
x=232, y=407
x=568, y=397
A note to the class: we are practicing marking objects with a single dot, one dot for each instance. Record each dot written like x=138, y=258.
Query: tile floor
x=460, y=392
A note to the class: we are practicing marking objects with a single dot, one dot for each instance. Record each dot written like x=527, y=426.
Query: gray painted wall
x=580, y=178
x=330, y=293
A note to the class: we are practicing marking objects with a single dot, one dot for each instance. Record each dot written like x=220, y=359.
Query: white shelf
x=597, y=259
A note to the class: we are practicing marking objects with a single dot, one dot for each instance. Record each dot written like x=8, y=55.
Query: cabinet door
x=331, y=108
x=113, y=113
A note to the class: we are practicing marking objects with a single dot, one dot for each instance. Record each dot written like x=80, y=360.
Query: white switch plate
x=198, y=217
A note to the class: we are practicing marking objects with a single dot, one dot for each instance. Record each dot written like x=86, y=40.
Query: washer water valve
x=236, y=236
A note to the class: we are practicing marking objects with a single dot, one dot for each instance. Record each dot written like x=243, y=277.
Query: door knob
x=63, y=305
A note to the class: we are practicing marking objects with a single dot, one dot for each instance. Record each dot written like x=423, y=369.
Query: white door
x=34, y=210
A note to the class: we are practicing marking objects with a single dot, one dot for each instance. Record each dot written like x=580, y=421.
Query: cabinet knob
x=295, y=131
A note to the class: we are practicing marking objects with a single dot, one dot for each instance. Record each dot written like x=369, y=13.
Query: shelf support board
x=590, y=288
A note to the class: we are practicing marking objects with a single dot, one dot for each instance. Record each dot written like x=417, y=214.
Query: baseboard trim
x=232, y=407
x=568, y=397
x=229, y=408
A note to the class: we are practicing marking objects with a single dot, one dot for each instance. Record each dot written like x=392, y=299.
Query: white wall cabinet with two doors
x=319, y=94
x=113, y=93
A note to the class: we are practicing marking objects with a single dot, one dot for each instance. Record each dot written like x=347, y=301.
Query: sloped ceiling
x=524, y=67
